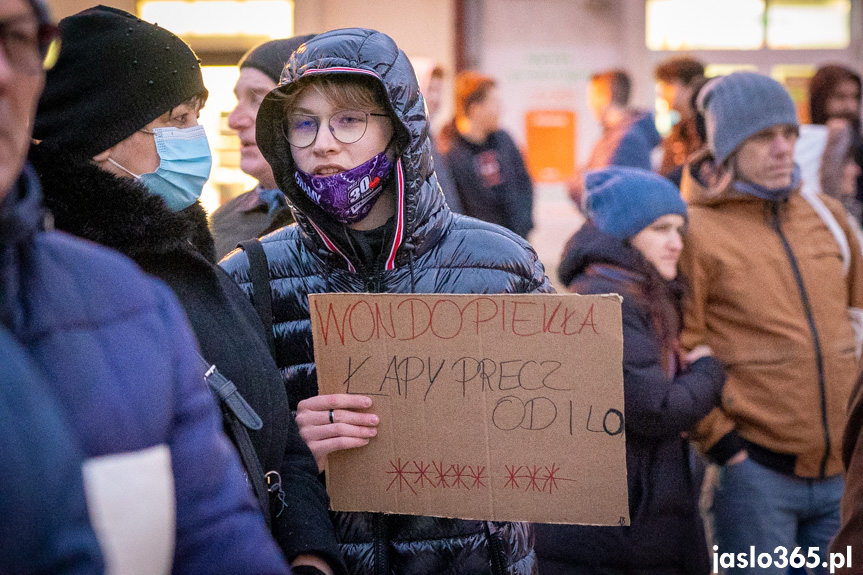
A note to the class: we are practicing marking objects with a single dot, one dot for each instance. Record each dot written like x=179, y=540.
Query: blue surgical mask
x=184, y=166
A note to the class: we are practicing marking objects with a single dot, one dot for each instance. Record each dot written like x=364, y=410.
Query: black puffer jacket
x=666, y=535
x=428, y=250
x=177, y=248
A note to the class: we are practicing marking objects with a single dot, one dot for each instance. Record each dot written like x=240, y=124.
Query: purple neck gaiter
x=350, y=195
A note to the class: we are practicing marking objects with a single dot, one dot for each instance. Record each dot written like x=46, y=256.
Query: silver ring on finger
x=331, y=417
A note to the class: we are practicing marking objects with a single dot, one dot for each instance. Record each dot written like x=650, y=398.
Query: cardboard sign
x=493, y=407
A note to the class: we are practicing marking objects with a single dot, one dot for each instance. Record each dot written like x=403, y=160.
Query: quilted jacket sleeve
x=656, y=405
x=715, y=434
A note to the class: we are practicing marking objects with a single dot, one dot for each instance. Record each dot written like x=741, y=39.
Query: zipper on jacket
x=372, y=281
x=816, y=340
x=495, y=551
x=380, y=552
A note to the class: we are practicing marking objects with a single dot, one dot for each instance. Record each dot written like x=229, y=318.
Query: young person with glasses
x=347, y=137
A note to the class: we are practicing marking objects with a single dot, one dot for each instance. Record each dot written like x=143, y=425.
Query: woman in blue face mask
x=122, y=161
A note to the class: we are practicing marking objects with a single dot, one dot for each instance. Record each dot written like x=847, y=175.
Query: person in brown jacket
x=676, y=80
x=770, y=295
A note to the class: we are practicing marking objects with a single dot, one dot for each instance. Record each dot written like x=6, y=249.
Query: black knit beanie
x=116, y=73
x=271, y=57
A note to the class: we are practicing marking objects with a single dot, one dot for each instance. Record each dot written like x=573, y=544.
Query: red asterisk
x=422, y=470
x=398, y=472
x=512, y=476
x=440, y=474
x=550, y=479
x=459, y=473
x=532, y=476
x=477, y=475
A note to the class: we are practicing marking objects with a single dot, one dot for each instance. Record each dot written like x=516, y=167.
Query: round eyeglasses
x=29, y=46
x=346, y=126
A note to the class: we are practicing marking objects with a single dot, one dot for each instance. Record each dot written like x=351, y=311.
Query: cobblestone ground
x=555, y=220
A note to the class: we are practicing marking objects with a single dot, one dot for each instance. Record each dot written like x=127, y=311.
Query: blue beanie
x=740, y=105
x=623, y=201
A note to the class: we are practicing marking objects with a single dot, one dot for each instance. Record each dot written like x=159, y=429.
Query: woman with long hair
x=630, y=245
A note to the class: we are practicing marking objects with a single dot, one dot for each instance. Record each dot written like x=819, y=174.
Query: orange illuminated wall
x=551, y=144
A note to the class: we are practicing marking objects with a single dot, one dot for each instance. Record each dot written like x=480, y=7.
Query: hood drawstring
x=411, y=268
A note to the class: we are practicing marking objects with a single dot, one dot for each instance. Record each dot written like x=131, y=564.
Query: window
x=747, y=24
x=705, y=24
x=808, y=25
x=225, y=18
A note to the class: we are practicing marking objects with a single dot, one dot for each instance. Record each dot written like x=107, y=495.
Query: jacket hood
x=21, y=210
x=696, y=192
x=21, y=216
x=589, y=245
x=421, y=213
x=119, y=213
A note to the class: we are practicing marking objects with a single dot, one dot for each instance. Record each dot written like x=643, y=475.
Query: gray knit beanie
x=740, y=105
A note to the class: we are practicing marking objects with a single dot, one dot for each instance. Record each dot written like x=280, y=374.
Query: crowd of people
x=159, y=382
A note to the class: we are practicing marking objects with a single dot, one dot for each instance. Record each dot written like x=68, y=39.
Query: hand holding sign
x=348, y=429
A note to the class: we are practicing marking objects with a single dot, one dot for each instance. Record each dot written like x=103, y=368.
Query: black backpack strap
x=262, y=298
x=240, y=417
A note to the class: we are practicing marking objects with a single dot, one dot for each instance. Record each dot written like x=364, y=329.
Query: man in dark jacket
x=264, y=208
x=628, y=135
x=122, y=162
x=419, y=246
x=486, y=166
x=114, y=348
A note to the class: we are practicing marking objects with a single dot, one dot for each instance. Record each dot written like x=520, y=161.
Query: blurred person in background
x=116, y=353
x=834, y=102
x=347, y=137
x=768, y=293
x=630, y=245
x=264, y=208
x=431, y=79
x=839, y=171
x=676, y=174
x=834, y=93
x=123, y=161
x=486, y=165
x=676, y=81
x=628, y=135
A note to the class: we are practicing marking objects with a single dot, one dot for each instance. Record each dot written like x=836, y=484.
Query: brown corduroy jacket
x=779, y=321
